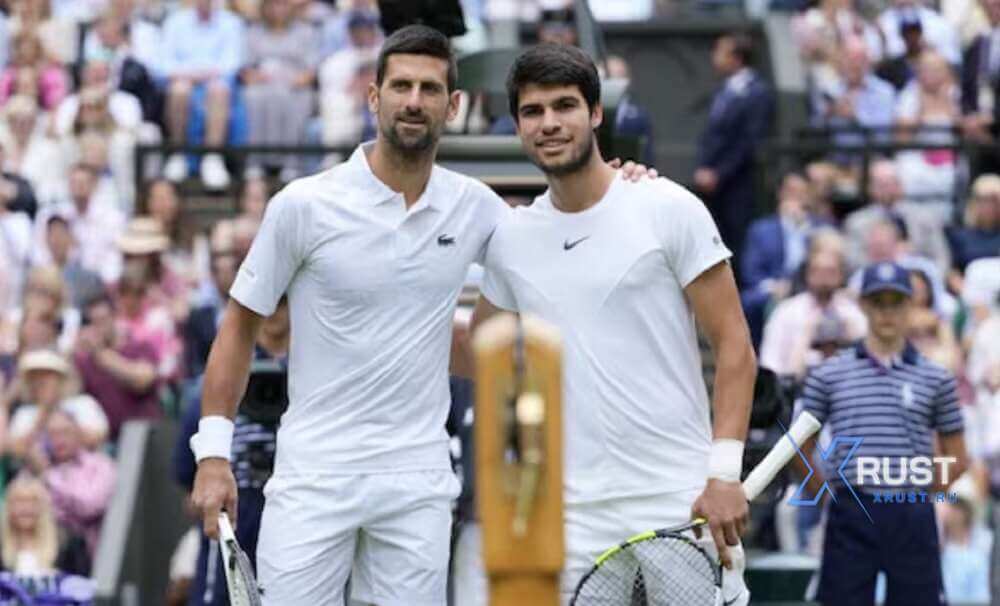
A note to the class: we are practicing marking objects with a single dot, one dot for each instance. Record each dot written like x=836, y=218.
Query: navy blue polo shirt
x=894, y=409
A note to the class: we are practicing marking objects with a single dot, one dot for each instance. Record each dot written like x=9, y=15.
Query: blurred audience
x=281, y=62
x=923, y=228
x=939, y=33
x=95, y=220
x=119, y=370
x=32, y=73
x=81, y=481
x=202, y=52
x=31, y=543
x=791, y=328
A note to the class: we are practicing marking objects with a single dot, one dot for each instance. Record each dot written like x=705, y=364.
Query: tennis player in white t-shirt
x=624, y=270
x=372, y=255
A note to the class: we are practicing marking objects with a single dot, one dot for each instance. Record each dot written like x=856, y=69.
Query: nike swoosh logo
x=445, y=240
x=567, y=245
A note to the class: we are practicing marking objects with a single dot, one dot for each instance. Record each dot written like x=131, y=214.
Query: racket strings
x=660, y=571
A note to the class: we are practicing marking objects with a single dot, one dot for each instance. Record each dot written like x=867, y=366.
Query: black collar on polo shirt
x=910, y=355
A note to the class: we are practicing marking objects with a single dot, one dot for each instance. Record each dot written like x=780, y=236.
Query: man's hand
x=214, y=490
x=632, y=171
x=706, y=180
x=724, y=505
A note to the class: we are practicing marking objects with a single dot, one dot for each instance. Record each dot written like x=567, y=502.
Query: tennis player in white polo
x=624, y=270
x=372, y=254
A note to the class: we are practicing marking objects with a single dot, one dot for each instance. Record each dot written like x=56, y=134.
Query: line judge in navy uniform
x=738, y=120
x=883, y=391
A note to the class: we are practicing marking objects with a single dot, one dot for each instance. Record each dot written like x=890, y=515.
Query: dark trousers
x=900, y=540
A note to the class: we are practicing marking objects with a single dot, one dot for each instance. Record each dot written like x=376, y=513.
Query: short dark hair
x=417, y=40
x=554, y=65
x=743, y=47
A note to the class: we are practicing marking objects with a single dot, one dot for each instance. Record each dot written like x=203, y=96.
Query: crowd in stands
x=901, y=73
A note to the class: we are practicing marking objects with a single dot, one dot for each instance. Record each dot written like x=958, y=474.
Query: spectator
x=16, y=194
x=923, y=228
x=95, y=221
x=130, y=45
x=965, y=563
x=791, y=327
x=143, y=246
x=97, y=138
x=31, y=73
x=30, y=542
x=979, y=235
x=337, y=71
x=98, y=106
x=558, y=26
x=980, y=79
x=253, y=198
x=631, y=119
x=775, y=249
x=929, y=332
x=335, y=27
x=164, y=205
x=15, y=236
x=81, y=481
x=940, y=35
x=201, y=55
x=203, y=322
x=926, y=112
x=282, y=57
x=119, y=371
x=739, y=118
x=981, y=288
x=81, y=283
x=846, y=393
x=820, y=33
x=899, y=71
x=887, y=242
x=45, y=295
x=28, y=150
x=43, y=390
x=346, y=119
x=857, y=99
x=58, y=36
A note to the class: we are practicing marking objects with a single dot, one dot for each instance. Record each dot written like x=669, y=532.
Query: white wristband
x=214, y=438
x=726, y=460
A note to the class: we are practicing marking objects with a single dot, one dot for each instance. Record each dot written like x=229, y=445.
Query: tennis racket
x=667, y=567
x=243, y=590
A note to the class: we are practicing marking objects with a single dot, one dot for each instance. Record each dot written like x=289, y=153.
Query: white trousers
x=390, y=532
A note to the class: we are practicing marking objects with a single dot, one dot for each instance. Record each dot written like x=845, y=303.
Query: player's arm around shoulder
x=226, y=375
x=715, y=302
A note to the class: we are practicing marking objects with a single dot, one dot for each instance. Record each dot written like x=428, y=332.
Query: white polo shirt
x=372, y=289
x=611, y=278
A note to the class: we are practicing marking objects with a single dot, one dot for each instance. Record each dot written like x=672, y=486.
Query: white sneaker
x=176, y=168
x=213, y=172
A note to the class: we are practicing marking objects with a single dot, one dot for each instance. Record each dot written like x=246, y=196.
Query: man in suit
x=981, y=86
x=739, y=118
x=920, y=226
x=775, y=248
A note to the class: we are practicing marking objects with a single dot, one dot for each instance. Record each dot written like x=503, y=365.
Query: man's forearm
x=228, y=367
x=735, y=373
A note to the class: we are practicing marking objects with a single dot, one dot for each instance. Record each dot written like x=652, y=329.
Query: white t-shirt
x=85, y=410
x=372, y=290
x=611, y=279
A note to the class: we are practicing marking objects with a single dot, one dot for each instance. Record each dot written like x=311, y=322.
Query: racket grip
x=800, y=431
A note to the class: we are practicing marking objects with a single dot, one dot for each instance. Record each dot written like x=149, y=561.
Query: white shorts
x=592, y=528
x=390, y=531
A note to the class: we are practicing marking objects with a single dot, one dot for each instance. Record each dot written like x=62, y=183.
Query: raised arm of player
x=226, y=376
x=716, y=304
